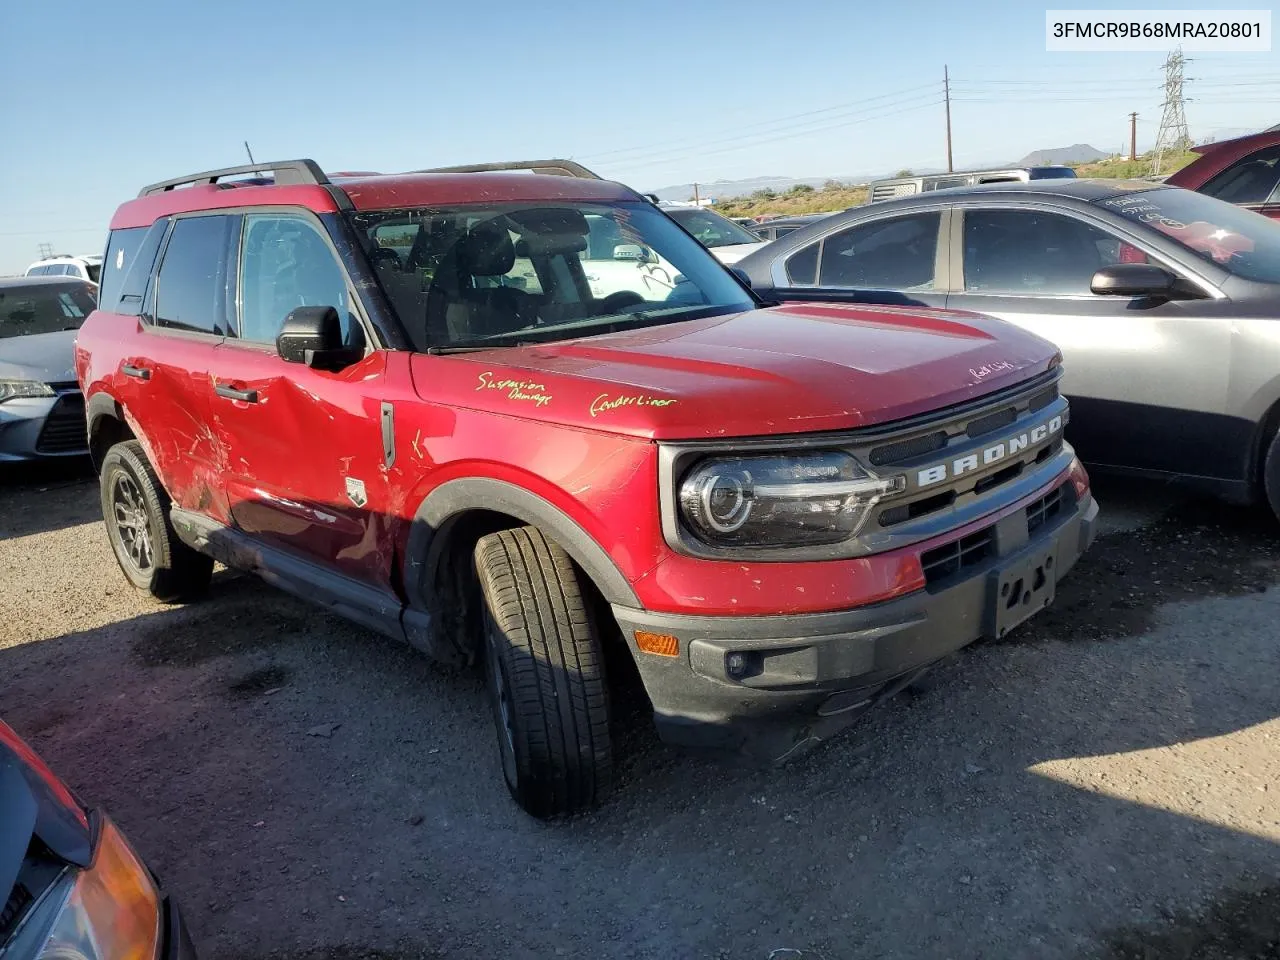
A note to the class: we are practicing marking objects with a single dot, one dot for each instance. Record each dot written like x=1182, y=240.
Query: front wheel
x=545, y=671
x=135, y=509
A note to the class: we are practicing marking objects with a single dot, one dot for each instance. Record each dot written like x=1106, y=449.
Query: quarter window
x=893, y=254
x=1028, y=252
x=190, y=291
x=802, y=268
x=286, y=263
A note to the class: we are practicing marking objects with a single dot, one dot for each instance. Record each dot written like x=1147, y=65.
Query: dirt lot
x=1105, y=784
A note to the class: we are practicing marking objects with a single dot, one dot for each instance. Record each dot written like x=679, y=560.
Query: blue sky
x=100, y=98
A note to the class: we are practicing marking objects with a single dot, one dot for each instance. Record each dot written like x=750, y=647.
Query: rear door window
x=191, y=286
x=892, y=254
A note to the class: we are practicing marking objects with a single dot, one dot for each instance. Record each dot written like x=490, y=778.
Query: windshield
x=43, y=308
x=1239, y=240
x=488, y=276
x=711, y=229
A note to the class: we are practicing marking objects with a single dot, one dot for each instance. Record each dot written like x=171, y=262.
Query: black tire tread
x=555, y=671
x=1271, y=476
x=180, y=573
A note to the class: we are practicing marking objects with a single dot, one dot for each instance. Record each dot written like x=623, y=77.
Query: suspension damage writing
x=604, y=403
x=527, y=391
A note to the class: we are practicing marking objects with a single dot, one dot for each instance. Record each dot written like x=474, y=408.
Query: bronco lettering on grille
x=928, y=476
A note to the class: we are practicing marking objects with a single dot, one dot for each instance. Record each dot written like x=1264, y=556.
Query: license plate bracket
x=1021, y=588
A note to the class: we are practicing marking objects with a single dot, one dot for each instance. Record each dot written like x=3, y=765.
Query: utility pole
x=946, y=94
x=696, y=201
x=1133, y=136
x=1173, y=136
x=249, y=152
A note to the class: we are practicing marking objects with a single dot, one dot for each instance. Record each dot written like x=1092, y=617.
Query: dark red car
x=518, y=418
x=1244, y=171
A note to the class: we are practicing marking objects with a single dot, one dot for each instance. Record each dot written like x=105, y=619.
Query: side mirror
x=741, y=275
x=1136, y=280
x=630, y=251
x=313, y=335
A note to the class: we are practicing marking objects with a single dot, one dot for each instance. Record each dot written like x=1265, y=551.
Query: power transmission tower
x=1173, y=136
x=46, y=251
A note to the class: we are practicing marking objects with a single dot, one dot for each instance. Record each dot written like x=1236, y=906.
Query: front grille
x=950, y=559
x=1042, y=400
x=64, y=429
x=907, y=449
x=991, y=422
x=1043, y=510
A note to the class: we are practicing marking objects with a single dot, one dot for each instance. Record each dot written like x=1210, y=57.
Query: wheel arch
x=106, y=426
x=445, y=512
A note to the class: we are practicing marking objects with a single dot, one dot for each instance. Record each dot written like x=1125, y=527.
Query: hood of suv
x=787, y=369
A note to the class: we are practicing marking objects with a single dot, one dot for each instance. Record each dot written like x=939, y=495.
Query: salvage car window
x=512, y=273
x=1029, y=252
x=284, y=264
x=46, y=308
x=1245, y=243
x=802, y=267
x=189, y=294
x=1251, y=180
x=711, y=229
x=892, y=254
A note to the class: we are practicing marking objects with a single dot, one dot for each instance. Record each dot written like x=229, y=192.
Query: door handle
x=231, y=393
x=140, y=373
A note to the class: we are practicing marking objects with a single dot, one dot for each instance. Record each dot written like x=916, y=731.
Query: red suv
x=516, y=418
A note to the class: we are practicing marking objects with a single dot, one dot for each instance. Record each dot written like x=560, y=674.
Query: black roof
x=1087, y=189
x=10, y=282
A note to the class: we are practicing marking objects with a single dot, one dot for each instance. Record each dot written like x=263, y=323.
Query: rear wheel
x=545, y=671
x=135, y=508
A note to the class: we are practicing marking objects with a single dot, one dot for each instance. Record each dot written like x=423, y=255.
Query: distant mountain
x=1076, y=153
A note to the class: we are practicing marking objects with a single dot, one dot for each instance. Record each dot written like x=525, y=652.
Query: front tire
x=135, y=509
x=545, y=670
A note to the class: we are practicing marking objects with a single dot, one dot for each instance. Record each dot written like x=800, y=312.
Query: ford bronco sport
x=400, y=397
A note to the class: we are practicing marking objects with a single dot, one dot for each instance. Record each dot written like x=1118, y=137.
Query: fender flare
x=101, y=405
x=455, y=497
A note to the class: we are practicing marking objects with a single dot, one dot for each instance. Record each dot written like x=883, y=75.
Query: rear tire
x=1271, y=475
x=545, y=669
x=135, y=509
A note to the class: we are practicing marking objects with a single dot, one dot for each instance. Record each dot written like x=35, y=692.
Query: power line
x=801, y=129
x=769, y=139
x=850, y=105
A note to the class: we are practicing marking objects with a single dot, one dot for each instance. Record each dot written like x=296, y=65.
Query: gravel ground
x=1106, y=783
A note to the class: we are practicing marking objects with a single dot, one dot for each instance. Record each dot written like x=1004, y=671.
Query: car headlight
x=780, y=501
x=110, y=911
x=14, y=389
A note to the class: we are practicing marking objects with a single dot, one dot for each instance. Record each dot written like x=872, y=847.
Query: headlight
x=13, y=389
x=111, y=911
x=780, y=501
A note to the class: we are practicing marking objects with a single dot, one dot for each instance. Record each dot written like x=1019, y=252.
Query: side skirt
x=368, y=606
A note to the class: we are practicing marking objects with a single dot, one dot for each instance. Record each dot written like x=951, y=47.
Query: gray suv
x=1165, y=304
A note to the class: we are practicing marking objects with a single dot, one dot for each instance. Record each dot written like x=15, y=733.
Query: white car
x=728, y=241
x=82, y=268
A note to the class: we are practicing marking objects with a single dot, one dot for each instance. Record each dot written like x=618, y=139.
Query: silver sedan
x=41, y=409
x=1165, y=304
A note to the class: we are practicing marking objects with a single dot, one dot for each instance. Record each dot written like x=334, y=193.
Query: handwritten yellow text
x=526, y=390
x=604, y=403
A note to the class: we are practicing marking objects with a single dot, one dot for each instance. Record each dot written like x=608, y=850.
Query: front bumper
x=801, y=678
x=38, y=428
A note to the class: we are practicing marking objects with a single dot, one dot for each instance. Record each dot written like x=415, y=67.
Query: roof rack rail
x=284, y=171
x=558, y=168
